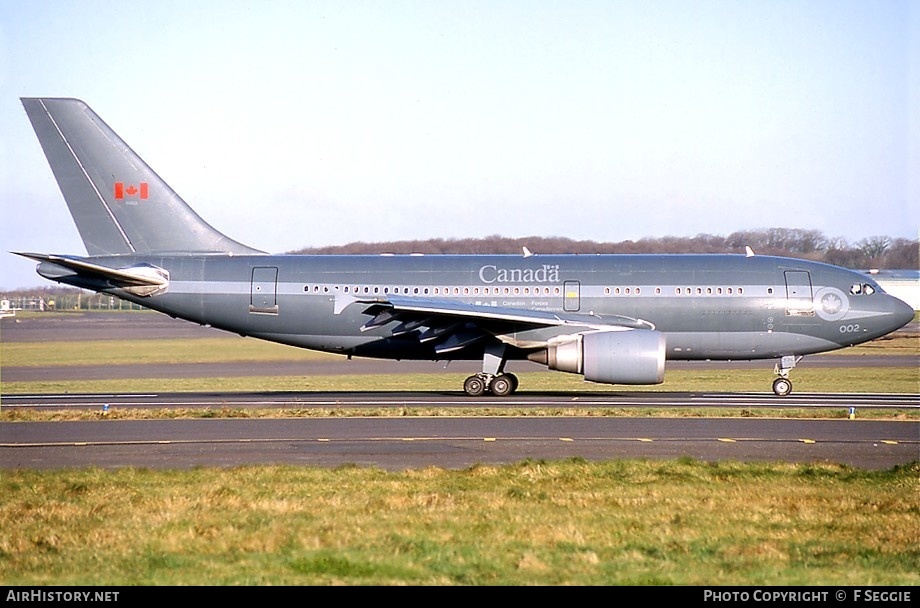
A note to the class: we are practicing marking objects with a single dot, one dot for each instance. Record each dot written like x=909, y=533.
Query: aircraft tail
x=120, y=206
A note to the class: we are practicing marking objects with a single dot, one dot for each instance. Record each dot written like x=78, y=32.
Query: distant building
x=6, y=310
x=903, y=284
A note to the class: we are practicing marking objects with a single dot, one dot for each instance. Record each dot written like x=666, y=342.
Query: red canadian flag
x=131, y=190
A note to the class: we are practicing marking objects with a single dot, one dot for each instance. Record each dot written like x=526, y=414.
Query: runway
x=402, y=442
x=457, y=400
x=578, y=428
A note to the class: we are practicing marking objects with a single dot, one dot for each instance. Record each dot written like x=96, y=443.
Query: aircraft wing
x=451, y=325
x=140, y=279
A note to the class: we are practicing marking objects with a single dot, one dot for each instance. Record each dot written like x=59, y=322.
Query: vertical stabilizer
x=120, y=206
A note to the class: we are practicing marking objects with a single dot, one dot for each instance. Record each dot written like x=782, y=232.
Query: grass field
x=679, y=522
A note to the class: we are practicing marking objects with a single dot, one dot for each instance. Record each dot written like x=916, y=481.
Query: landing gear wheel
x=501, y=386
x=474, y=386
x=782, y=387
x=514, y=382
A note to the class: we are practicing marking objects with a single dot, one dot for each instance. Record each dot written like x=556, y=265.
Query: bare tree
x=877, y=251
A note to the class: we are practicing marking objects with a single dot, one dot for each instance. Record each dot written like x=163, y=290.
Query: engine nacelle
x=612, y=357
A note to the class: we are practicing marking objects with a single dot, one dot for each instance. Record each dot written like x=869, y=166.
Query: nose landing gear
x=782, y=386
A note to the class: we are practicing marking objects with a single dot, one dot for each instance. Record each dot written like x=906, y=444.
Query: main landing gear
x=501, y=385
x=493, y=378
x=782, y=386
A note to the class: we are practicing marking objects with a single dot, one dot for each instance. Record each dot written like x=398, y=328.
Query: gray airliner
x=614, y=319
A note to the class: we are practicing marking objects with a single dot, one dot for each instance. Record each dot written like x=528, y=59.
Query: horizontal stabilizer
x=140, y=279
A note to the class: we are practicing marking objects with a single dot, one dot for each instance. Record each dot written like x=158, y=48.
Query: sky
x=310, y=123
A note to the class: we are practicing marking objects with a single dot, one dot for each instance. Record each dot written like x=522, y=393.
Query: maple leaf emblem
x=831, y=303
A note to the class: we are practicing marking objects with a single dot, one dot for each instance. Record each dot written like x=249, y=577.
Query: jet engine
x=611, y=357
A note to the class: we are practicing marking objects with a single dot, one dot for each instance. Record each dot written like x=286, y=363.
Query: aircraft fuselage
x=707, y=306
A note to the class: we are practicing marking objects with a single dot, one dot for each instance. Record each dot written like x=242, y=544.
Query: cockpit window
x=861, y=288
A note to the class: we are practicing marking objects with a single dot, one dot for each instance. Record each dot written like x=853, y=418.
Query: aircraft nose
x=901, y=313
